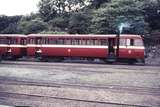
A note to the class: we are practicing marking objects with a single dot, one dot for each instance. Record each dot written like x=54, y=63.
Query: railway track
x=18, y=95
x=80, y=67
x=130, y=89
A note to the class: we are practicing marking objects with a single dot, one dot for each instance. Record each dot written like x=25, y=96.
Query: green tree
x=59, y=23
x=49, y=9
x=97, y=3
x=8, y=24
x=79, y=23
x=31, y=26
x=110, y=15
x=152, y=13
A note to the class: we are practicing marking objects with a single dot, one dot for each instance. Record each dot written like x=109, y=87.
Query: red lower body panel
x=70, y=52
x=16, y=51
x=31, y=51
x=131, y=53
x=75, y=52
x=3, y=50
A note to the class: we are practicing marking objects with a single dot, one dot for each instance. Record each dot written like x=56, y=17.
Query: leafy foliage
x=86, y=16
x=9, y=24
x=31, y=26
x=79, y=23
x=108, y=17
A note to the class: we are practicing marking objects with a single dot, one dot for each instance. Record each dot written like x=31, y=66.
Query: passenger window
x=104, y=42
x=75, y=42
x=60, y=41
x=32, y=41
x=88, y=42
x=23, y=42
x=122, y=42
x=138, y=42
x=128, y=42
x=3, y=41
x=83, y=42
x=13, y=41
x=38, y=41
x=68, y=42
x=52, y=41
x=92, y=42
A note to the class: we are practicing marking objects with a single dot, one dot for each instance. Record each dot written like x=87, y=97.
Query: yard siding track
x=17, y=95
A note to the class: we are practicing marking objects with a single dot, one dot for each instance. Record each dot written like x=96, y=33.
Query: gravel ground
x=153, y=55
x=132, y=85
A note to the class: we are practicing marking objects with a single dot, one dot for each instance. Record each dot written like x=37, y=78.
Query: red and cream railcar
x=12, y=46
x=131, y=48
x=86, y=46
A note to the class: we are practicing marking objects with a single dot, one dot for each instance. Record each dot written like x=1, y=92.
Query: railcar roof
x=77, y=35
x=12, y=35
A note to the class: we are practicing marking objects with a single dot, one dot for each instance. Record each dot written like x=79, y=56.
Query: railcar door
x=38, y=53
x=24, y=48
x=111, y=49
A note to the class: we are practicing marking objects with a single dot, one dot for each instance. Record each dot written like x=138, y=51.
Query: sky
x=18, y=7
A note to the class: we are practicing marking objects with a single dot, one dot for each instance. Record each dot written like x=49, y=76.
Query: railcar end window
x=138, y=42
x=122, y=42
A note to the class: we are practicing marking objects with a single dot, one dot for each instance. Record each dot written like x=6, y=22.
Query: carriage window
x=52, y=41
x=38, y=41
x=67, y=42
x=122, y=42
x=60, y=41
x=75, y=42
x=83, y=42
x=88, y=42
x=3, y=41
x=97, y=42
x=104, y=42
x=44, y=41
x=138, y=42
x=128, y=42
x=12, y=40
x=31, y=41
x=92, y=42
x=23, y=42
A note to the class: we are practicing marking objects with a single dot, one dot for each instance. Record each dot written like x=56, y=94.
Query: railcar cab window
x=122, y=42
x=138, y=42
x=134, y=42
